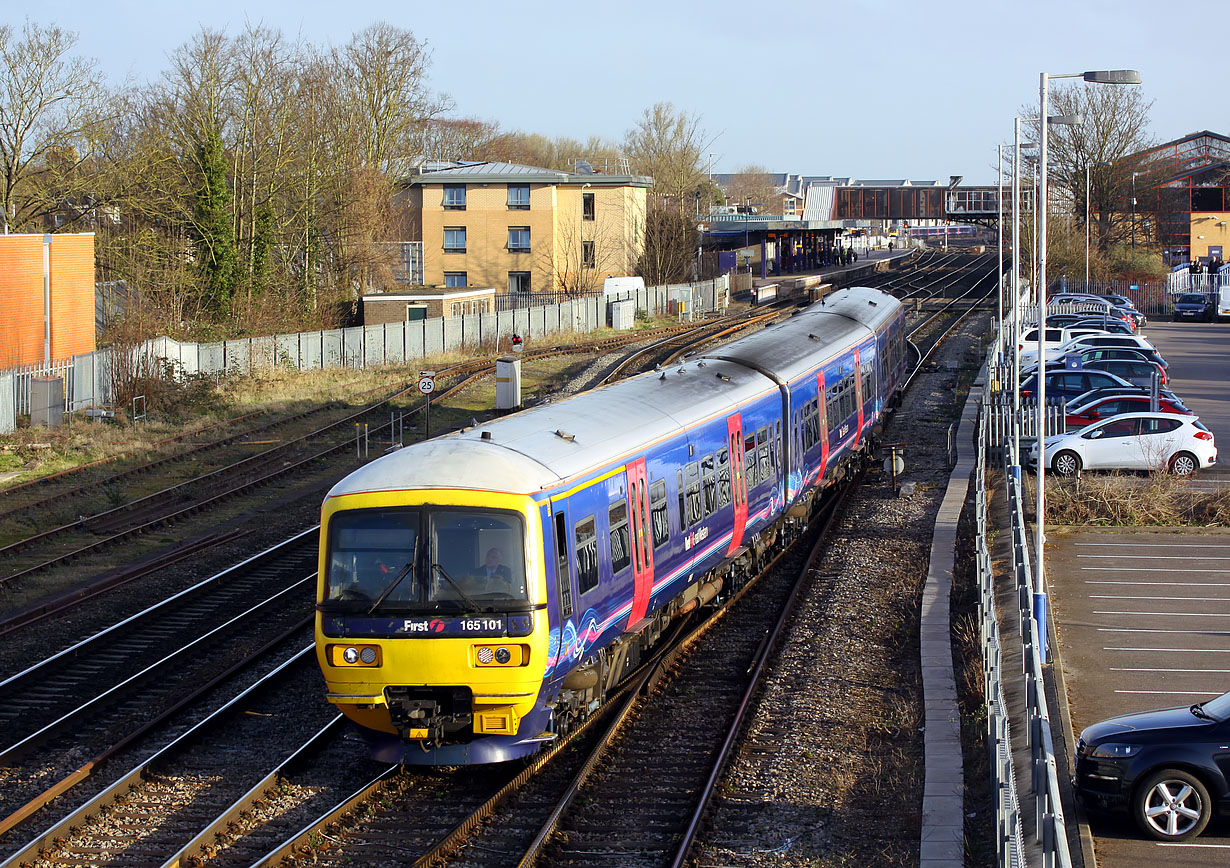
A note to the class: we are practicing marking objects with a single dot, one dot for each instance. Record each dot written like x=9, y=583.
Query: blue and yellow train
x=482, y=592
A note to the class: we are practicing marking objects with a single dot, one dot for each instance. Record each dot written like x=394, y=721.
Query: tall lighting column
x=1113, y=76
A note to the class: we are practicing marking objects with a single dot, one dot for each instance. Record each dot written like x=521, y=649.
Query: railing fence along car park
x=1050, y=830
x=87, y=377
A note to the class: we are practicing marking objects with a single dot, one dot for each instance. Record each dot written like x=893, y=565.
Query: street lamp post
x=999, y=239
x=1134, y=174
x=1114, y=76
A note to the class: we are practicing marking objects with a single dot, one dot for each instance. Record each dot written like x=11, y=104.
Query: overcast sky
x=890, y=89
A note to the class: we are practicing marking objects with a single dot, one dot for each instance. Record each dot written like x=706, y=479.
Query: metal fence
x=1009, y=847
x=1050, y=827
x=88, y=381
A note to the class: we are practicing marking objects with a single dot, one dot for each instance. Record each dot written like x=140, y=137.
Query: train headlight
x=501, y=655
x=354, y=655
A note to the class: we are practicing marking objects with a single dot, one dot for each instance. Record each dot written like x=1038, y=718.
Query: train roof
x=787, y=350
x=548, y=444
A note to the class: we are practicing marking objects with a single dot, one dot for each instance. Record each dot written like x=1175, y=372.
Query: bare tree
x=754, y=185
x=53, y=110
x=666, y=144
x=1115, y=122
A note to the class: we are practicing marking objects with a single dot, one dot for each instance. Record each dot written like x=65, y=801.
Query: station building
x=1182, y=196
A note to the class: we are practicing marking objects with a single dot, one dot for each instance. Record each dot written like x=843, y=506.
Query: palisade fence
x=1050, y=830
x=87, y=377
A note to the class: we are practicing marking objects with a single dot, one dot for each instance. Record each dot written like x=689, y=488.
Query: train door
x=822, y=414
x=565, y=582
x=738, y=479
x=859, y=397
x=642, y=544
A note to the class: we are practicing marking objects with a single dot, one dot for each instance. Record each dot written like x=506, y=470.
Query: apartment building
x=524, y=229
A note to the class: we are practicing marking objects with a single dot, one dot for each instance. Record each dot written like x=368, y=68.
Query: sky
x=890, y=89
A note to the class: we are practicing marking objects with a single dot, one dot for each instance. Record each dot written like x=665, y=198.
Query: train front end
x=431, y=624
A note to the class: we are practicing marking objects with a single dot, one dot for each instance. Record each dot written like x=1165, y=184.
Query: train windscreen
x=425, y=559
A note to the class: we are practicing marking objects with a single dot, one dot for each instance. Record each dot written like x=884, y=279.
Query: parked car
x=1166, y=767
x=1139, y=373
x=1101, y=340
x=1095, y=394
x=1064, y=385
x=1054, y=337
x=1085, y=413
x=1114, y=325
x=1120, y=300
x=1194, y=305
x=1094, y=354
x=1132, y=441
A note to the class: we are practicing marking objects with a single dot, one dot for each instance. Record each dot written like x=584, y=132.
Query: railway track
x=64, y=715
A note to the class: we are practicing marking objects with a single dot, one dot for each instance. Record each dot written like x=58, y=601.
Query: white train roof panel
x=545, y=445
x=816, y=333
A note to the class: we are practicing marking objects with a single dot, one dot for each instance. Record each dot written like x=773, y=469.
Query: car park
x=1081, y=413
x=1101, y=340
x=1064, y=385
x=1132, y=441
x=1196, y=306
x=1168, y=768
x=1094, y=354
x=1094, y=394
x=1054, y=337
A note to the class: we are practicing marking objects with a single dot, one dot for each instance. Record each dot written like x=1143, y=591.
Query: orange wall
x=21, y=297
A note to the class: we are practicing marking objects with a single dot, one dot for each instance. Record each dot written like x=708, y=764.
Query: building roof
x=491, y=171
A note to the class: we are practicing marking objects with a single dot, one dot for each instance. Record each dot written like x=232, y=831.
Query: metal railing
x=1051, y=829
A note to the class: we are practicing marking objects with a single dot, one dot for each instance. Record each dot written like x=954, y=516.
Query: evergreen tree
x=215, y=229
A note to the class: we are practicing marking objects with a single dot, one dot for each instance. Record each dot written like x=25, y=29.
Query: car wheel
x=1170, y=805
x=1184, y=464
x=1066, y=463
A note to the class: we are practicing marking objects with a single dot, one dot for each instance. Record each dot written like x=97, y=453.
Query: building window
x=455, y=278
x=518, y=197
x=587, y=206
x=518, y=281
x=587, y=254
x=518, y=239
x=416, y=311
x=454, y=197
x=454, y=239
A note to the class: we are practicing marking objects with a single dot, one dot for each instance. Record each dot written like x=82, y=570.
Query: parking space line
x=1171, y=650
x=1155, y=630
x=1132, y=545
x=1166, y=614
x=1161, y=669
x=1143, y=597
x=1135, y=568
x=1173, y=692
x=1167, y=557
x=1166, y=584
x=1205, y=846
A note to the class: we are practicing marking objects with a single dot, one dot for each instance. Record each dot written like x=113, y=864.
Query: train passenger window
x=749, y=460
x=683, y=507
x=657, y=509
x=777, y=438
x=587, y=555
x=723, y=478
x=868, y=381
x=620, y=541
x=637, y=499
x=708, y=485
x=561, y=565
x=762, y=451
x=691, y=474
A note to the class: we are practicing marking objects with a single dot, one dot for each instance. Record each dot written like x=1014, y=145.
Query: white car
x=1076, y=344
x=1132, y=441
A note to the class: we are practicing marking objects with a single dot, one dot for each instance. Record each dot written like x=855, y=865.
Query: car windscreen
x=1192, y=299
x=1218, y=708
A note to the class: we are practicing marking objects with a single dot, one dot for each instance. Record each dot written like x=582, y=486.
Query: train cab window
x=657, y=511
x=561, y=565
x=708, y=481
x=762, y=451
x=620, y=540
x=586, y=535
x=691, y=474
x=723, y=478
x=749, y=460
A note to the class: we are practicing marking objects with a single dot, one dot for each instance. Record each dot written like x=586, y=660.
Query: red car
x=1113, y=405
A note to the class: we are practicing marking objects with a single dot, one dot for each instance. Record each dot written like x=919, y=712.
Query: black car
x=1193, y=305
x=1169, y=768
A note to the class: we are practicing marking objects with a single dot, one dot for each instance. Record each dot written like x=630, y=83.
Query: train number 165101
x=481, y=625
